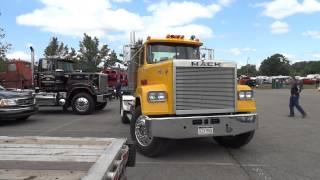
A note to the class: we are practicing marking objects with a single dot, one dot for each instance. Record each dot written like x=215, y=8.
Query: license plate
x=205, y=130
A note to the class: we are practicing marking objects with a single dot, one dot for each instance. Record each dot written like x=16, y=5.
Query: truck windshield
x=163, y=52
x=52, y=65
x=65, y=66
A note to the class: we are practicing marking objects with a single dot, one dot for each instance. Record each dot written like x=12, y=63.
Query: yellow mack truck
x=174, y=93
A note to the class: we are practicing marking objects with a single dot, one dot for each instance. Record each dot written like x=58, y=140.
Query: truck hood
x=8, y=95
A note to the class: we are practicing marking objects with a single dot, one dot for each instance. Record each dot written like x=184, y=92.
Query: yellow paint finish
x=243, y=88
x=245, y=106
x=159, y=77
x=174, y=41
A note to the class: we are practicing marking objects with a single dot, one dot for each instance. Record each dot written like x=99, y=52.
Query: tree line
x=278, y=64
x=89, y=55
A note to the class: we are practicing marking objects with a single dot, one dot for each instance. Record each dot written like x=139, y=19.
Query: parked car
x=16, y=106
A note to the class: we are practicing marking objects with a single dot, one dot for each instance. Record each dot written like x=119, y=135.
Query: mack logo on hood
x=205, y=63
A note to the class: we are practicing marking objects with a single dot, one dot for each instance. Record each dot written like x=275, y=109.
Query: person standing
x=294, y=99
x=118, y=90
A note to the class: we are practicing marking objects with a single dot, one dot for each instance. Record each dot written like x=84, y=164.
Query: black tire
x=132, y=154
x=91, y=104
x=235, y=141
x=157, y=145
x=101, y=106
x=22, y=118
x=124, y=117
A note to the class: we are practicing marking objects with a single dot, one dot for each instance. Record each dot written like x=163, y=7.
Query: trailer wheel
x=234, y=141
x=123, y=114
x=101, y=106
x=146, y=144
x=83, y=104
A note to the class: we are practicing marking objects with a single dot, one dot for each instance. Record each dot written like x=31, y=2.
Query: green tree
x=90, y=53
x=274, y=65
x=304, y=68
x=72, y=54
x=3, y=65
x=249, y=70
x=55, y=48
x=111, y=59
x=4, y=46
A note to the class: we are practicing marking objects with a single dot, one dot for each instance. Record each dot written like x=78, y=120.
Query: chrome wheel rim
x=82, y=104
x=141, y=132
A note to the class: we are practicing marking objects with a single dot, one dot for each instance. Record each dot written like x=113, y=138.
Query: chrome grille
x=25, y=102
x=103, y=83
x=205, y=90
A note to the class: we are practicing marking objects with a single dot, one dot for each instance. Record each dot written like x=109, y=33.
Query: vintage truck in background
x=17, y=74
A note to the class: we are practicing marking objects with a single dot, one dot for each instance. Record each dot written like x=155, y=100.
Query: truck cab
x=17, y=75
x=176, y=94
x=58, y=84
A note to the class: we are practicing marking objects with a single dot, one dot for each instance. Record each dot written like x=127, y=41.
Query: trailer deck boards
x=39, y=158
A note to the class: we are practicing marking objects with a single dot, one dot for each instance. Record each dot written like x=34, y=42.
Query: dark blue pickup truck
x=16, y=106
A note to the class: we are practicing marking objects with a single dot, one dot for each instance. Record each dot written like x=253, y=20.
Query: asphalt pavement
x=282, y=148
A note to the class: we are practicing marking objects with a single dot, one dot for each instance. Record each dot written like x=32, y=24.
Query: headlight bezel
x=8, y=102
x=157, y=96
x=246, y=95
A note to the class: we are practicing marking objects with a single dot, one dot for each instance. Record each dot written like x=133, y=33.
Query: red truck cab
x=17, y=74
x=115, y=75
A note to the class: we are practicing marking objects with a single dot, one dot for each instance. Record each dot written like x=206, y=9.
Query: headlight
x=8, y=102
x=249, y=94
x=242, y=95
x=246, y=119
x=245, y=95
x=157, y=96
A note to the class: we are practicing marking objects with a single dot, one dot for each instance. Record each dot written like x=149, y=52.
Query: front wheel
x=146, y=144
x=234, y=141
x=83, y=104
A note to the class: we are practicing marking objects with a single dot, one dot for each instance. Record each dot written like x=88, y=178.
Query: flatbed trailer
x=64, y=158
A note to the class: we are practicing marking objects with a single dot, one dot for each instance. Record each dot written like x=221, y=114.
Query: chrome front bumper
x=101, y=98
x=188, y=127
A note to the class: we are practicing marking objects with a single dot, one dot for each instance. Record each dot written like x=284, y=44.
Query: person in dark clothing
x=118, y=90
x=294, y=99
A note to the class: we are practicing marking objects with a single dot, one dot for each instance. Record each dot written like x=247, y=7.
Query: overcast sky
x=238, y=30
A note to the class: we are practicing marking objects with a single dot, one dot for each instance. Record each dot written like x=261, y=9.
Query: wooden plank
x=44, y=165
x=14, y=157
x=51, y=146
x=17, y=174
x=52, y=152
x=101, y=152
x=55, y=140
